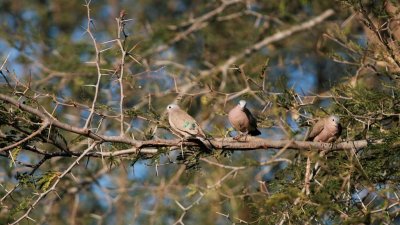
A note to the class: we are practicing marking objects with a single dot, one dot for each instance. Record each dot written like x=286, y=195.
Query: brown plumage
x=186, y=126
x=326, y=130
x=182, y=123
x=242, y=119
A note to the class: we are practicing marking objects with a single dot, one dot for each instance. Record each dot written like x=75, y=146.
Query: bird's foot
x=238, y=137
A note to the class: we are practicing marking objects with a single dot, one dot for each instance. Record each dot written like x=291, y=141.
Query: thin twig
x=38, y=131
x=97, y=63
x=52, y=188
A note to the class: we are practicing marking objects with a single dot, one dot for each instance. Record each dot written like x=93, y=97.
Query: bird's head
x=242, y=104
x=334, y=120
x=172, y=107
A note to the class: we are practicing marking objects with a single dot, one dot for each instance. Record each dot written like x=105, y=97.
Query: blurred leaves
x=51, y=69
x=44, y=182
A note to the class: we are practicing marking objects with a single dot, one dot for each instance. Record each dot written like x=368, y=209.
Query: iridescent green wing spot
x=189, y=125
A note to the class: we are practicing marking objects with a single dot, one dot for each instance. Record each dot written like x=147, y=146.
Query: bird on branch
x=243, y=121
x=184, y=125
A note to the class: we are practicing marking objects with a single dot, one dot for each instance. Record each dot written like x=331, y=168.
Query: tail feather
x=206, y=143
x=255, y=132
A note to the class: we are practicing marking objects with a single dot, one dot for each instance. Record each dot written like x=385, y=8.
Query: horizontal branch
x=261, y=143
x=147, y=146
x=251, y=143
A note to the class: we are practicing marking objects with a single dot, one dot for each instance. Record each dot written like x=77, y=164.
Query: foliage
x=106, y=72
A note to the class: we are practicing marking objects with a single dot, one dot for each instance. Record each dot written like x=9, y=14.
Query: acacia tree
x=85, y=139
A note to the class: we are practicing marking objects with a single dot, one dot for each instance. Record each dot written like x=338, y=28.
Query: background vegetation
x=84, y=87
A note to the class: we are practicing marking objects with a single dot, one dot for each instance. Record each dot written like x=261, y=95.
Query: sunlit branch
x=121, y=67
x=97, y=62
x=251, y=143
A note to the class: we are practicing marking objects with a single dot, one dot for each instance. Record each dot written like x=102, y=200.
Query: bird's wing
x=252, y=120
x=339, y=132
x=183, y=122
x=317, y=128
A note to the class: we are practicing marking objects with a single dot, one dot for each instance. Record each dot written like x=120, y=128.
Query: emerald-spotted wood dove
x=326, y=130
x=182, y=123
x=242, y=120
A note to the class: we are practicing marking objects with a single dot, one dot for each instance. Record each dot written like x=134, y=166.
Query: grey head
x=334, y=120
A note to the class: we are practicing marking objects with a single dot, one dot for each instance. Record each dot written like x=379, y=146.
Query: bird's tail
x=206, y=143
x=255, y=132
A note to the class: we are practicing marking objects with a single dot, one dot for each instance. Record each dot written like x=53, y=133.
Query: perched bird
x=182, y=123
x=242, y=120
x=326, y=130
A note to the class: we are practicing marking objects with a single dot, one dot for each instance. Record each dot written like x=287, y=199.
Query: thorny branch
x=44, y=126
x=53, y=187
x=96, y=62
x=218, y=143
x=153, y=146
x=223, y=67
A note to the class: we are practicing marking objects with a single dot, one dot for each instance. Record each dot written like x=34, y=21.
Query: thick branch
x=251, y=143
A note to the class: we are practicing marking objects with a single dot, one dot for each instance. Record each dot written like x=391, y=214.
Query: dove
x=242, y=120
x=326, y=130
x=182, y=123
x=185, y=125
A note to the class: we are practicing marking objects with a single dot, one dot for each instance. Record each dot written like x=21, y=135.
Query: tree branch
x=44, y=125
x=52, y=188
x=223, y=67
x=251, y=143
x=97, y=62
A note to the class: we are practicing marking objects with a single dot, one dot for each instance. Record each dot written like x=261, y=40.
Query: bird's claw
x=237, y=138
